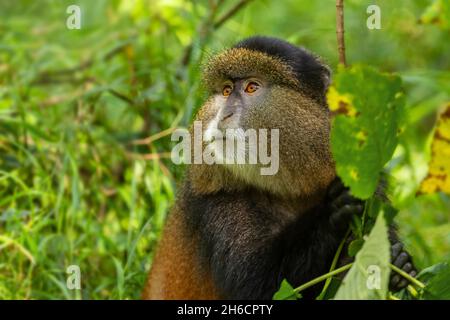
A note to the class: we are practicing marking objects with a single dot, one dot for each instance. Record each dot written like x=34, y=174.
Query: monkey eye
x=226, y=91
x=251, y=87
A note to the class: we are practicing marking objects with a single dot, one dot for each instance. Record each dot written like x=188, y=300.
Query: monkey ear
x=326, y=77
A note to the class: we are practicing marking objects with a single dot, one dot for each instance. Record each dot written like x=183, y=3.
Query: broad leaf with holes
x=368, y=109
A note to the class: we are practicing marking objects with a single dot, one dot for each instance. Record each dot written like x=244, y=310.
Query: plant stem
x=323, y=277
x=407, y=276
x=340, y=31
x=412, y=291
x=392, y=297
x=333, y=265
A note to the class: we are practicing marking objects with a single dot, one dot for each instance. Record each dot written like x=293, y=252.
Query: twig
x=49, y=76
x=202, y=30
x=340, y=31
x=84, y=65
x=334, y=262
x=121, y=96
x=230, y=13
x=323, y=277
x=412, y=291
x=209, y=25
x=44, y=81
x=149, y=156
x=154, y=137
x=407, y=276
x=392, y=297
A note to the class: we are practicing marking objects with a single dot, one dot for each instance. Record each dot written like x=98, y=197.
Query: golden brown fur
x=306, y=169
x=234, y=233
x=176, y=274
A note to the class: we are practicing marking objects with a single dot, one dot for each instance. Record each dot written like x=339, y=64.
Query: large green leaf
x=368, y=277
x=438, y=287
x=369, y=111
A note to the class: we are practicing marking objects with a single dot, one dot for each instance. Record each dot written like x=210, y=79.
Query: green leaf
x=286, y=292
x=373, y=207
x=356, y=226
x=438, y=287
x=355, y=246
x=368, y=278
x=428, y=273
x=438, y=13
x=369, y=114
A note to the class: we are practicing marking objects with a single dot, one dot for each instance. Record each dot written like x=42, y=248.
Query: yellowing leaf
x=438, y=13
x=368, y=114
x=340, y=103
x=438, y=178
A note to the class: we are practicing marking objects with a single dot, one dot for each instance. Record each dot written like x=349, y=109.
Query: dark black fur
x=250, y=249
x=311, y=73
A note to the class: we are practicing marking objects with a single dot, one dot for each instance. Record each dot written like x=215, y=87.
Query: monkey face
x=234, y=99
x=267, y=85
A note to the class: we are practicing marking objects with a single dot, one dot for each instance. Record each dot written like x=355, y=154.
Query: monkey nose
x=226, y=121
x=226, y=116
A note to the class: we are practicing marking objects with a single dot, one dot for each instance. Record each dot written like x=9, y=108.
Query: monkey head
x=267, y=83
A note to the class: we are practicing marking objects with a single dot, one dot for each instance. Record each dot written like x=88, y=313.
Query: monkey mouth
x=227, y=116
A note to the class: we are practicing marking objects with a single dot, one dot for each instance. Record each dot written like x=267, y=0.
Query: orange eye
x=226, y=91
x=251, y=87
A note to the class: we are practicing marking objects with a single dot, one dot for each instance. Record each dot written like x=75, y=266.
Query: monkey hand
x=402, y=260
x=342, y=205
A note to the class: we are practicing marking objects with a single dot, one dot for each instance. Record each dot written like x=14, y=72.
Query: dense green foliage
x=85, y=177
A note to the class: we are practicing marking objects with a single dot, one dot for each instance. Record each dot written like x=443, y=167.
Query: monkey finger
x=402, y=258
x=395, y=279
x=398, y=282
x=335, y=188
x=342, y=216
x=402, y=284
x=396, y=248
x=345, y=198
x=407, y=267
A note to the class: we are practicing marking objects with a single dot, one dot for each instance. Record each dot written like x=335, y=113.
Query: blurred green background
x=85, y=118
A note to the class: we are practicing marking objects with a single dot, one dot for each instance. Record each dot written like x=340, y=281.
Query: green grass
x=76, y=218
x=76, y=188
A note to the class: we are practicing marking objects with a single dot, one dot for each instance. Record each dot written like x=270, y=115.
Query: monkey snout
x=229, y=121
x=228, y=115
